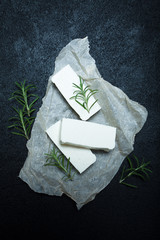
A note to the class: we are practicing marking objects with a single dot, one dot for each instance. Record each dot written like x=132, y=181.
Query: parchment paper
x=117, y=111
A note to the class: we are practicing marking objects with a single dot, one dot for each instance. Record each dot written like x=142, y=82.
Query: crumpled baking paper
x=117, y=110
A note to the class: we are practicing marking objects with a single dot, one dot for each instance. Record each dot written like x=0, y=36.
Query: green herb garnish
x=56, y=158
x=83, y=94
x=141, y=170
x=22, y=121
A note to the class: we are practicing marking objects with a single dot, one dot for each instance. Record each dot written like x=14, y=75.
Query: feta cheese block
x=80, y=158
x=64, y=80
x=87, y=134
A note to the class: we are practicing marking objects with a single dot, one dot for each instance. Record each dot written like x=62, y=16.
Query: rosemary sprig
x=22, y=121
x=141, y=170
x=22, y=96
x=56, y=158
x=83, y=94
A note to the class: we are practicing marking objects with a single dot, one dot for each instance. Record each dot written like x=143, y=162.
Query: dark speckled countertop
x=124, y=38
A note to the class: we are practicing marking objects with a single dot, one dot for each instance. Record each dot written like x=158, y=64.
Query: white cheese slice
x=80, y=158
x=64, y=80
x=87, y=134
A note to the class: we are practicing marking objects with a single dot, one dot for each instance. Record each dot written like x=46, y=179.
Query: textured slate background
x=124, y=39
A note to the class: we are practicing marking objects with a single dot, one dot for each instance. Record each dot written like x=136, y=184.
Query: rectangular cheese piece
x=87, y=134
x=80, y=158
x=64, y=80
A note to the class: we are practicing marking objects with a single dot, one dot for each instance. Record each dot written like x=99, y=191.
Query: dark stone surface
x=124, y=40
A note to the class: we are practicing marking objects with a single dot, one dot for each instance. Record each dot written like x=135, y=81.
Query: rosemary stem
x=26, y=102
x=130, y=174
x=23, y=125
x=86, y=102
x=56, y=158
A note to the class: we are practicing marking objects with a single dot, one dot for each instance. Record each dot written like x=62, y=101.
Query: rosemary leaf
x=92, y=105
x=17, y=133
x=129, y=185
x=130, y=162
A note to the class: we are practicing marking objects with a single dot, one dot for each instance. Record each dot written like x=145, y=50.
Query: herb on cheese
x=56, y=158
x=82, y=95
x=141, y=170
x=23, y=120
